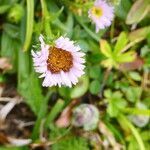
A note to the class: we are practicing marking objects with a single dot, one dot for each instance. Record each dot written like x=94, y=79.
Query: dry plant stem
x=145, y=81
x=19, y=142
x=131, y=44
x=105, y=131
x=6, y=99
x=23, y=124
x=8, y=107
x=42, y=131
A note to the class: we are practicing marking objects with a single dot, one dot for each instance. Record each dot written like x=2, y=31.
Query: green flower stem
x=137, y=111
x=46, y=19
x=54, y=112
x=29, y=24
x=134, y=131
x=112, y=30
x=91, y=33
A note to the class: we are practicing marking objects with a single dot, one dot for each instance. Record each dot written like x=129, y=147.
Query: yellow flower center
x=97, y=11
x=59, y=60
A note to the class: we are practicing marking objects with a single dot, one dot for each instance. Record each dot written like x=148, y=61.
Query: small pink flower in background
x=101, y=14
x=61, y=64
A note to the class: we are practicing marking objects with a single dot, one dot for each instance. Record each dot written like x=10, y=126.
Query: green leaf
x=71, y=143
x=107, y=93
x=133, y=93
x=56, y=109
x=95, y=87
x=30, y=89
x=95, y=72
x=13, y=148
x=108, y=63
x=83, y=45
x=69, y=24
x=10, y=48
x=64, y=92
x=11, y=30
x=139, y=33
x=81, y=88
x=125, y=57
x=123, y=8
x=4, y=8
x=115, y=102
x=135, y=76
x=121, y=43
x=138, y=11
x=105, y=48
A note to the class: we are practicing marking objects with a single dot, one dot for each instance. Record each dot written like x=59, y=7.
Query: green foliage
x=31, y=91
x=67, y=141
x=142, y=8
x=71, y=143
x=15, y=13
x=95, y=72
x=115, y=92
x=123, y=8
x=95, y=87
x=133, y=93
x=116, y=56
x=81, y=88
x=135, y=76
x=115, y=102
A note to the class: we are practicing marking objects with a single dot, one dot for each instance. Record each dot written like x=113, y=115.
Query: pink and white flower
x=101, y=14
x=61, y=64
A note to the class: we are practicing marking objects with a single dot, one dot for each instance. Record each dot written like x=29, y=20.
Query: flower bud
x=15, y=13
x=86, y=116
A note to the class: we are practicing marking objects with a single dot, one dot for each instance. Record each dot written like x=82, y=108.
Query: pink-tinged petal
x=78, y=54
x=79, y=60
x=33, y=53
x=46, y=81
x=72, y=77
x=41, y=69
x=78, y=66
x=42, y=75
x=66, y=79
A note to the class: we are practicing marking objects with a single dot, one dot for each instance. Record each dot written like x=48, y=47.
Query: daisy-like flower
x=61, y=64
x=101, y=14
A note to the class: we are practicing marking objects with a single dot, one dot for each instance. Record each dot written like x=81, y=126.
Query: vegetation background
x=117, y=78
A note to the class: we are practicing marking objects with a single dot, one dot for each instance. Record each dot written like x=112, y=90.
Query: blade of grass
x=91, y=33
x=54, y=112
x=137, y=111
x=134, y=131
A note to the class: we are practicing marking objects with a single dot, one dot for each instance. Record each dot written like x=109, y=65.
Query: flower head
x=86, y=116
x=61, y=64
x=101, y=14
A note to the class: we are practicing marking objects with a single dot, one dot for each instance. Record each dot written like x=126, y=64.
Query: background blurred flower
x=61, y=64
x=16, y=13
x=86, y=116
x=101, y=14
x=140, y=120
